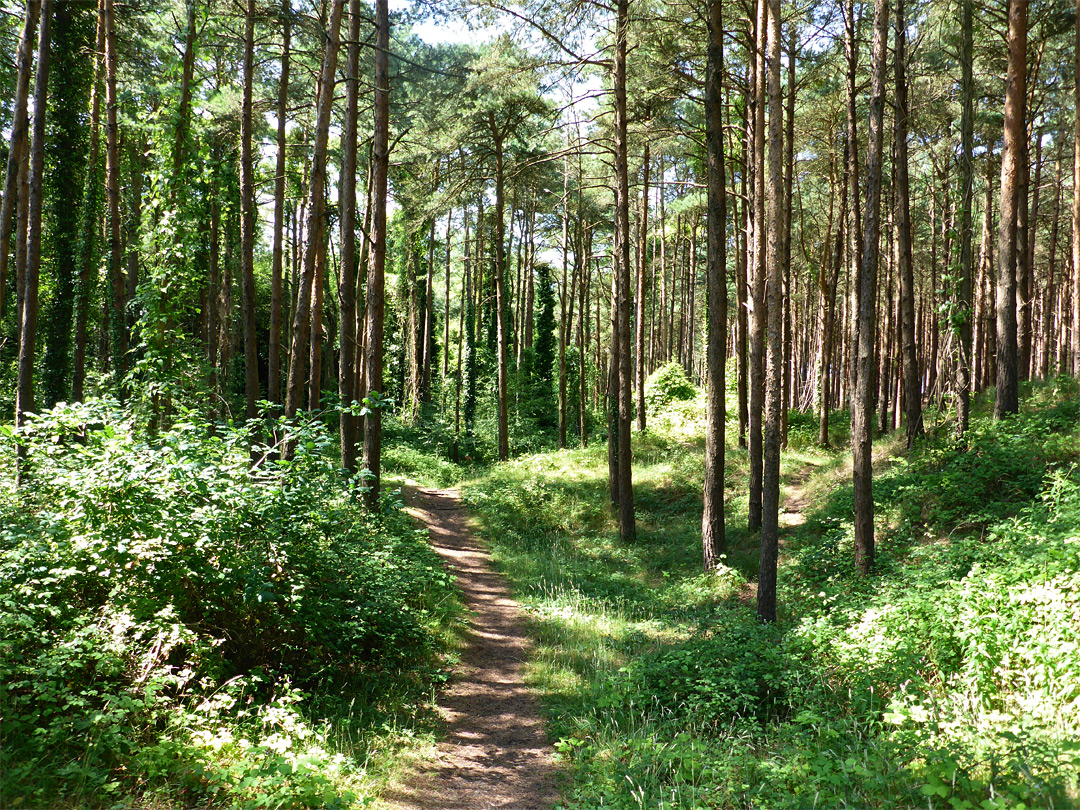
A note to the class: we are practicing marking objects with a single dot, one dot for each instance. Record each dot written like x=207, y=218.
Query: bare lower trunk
x=1013, y=157
x=373, y=365
x=713, y=539
x=627, y=525
x=24, y=395
x=862, y=407
x=909, y=358
x=301, y=327
x=273, y=382
x=347, y=274
x=247, y=223
x=20, y=131
x=757, y=302
x=774, y=362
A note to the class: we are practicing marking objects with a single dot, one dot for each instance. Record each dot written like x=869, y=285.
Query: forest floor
x=496, y=753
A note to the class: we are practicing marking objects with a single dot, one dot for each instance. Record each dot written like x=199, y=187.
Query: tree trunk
x=1027, y=331
x=1012, y=160
x=863, y=405
x=1076, y=205
x=642, y=267
x=373, y=365
x=273, y=382
x=90, y=221
x=565, y=295
x=855, y=236
x=627, y=526
x=774, y=362
x=788, y=371
x=828, y=306
x=757, y=291
x=742, y=261
x=24, y=395
x=1050, y=294
x=963, y=302
x=347, y=279
x=247, y=223
x=20, y=131
x=301, y=326
x=112, y=196
x=913, y=418
x=500, y=296
x=713, y=540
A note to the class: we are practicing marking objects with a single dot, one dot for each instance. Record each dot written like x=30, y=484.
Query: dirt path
x=496, y=753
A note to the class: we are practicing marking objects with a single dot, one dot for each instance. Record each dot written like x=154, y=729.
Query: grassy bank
x=951, y=678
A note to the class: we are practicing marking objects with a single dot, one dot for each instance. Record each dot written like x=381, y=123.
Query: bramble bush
x=167, y=610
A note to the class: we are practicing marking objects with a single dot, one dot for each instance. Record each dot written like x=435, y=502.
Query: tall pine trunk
x=913, y=417
x=757, y=302
x=863, y=405
x=774, y=348
x=713, y=540
x=301, y=327
x=373, y=365
x=20, y=132
x=964, y=303
x=627, y=526
x=273, y=379
x=347, y=274
x=247, y=223
x=90, y=220
x=24, y=394
x=1012, y=159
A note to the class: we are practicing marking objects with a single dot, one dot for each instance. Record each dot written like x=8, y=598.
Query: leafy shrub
x=666, y=385
x=737, y=672
x=141, y=580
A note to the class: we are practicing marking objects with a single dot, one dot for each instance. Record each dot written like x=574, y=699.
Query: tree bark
x=963, y=302
x=87, y=239
x=500, y=296
x=24, y=394
x=20, y=131
x=347, y=280
x=863, y=405
x=1076, y=205
x=757, y=302
x=301, y=326
x=118, y=322
x=565, y=323
x=1013, y=156
x=273, y=382
x=642, y=266
x=913, y=417
x=373, y=365
x=713, y=539
x=627, y=526
x=247, y=223
x=774, y=361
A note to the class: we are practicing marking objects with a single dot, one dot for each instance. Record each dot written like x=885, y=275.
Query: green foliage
x=734, y=673
x=666, y=385
x=948, y=680
x=165, y=610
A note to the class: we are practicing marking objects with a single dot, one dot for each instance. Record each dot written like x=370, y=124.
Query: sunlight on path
x=496, y=753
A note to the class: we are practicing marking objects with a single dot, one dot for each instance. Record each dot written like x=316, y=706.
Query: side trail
x=496, y=754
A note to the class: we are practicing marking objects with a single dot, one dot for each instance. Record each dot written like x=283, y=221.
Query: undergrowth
x=179, y=629
x=949, y=679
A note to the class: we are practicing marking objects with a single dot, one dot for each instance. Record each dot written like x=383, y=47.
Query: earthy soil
x=495, y=753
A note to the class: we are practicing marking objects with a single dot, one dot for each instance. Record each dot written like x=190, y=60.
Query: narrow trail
x=496, y=754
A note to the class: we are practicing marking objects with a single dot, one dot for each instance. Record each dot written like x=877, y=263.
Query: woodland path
x=496, y=754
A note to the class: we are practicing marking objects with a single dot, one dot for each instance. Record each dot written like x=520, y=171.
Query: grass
x=923, y=686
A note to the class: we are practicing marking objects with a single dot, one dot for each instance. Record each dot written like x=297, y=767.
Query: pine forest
x=642, y=404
